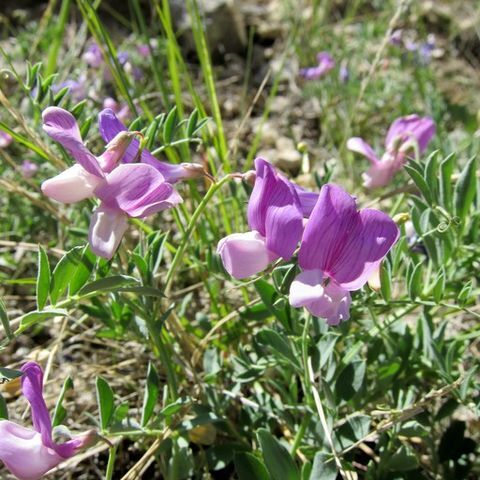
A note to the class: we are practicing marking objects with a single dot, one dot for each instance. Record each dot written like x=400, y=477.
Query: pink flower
x=404, y=135
x=127, y=190
x=325, y=64
x=276, y=221
x=29, y=169
x=340, y=249
x=5, y=139
x=30, y=453
x=121, y=110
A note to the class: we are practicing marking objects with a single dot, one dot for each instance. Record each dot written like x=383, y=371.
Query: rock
x=224, y=26
x=285, y=156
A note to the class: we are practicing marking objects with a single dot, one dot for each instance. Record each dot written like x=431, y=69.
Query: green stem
x=112, y=453
x=190, y=228
x=305, y=342
x=301, y=432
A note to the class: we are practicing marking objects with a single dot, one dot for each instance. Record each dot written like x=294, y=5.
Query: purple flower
x=405, y=134
x=5, y=139
x=143, y=50
x=30, y=453
x=396, y=37
x=122, y=57
x=29, y=169
x=110, y=126
x=93, y=56
x=344, y=73
x=325, y=64
x=340, y=248
x=129, y=190
x=121, y=110
x=276, y=221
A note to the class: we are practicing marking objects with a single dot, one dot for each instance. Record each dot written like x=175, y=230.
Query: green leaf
x=322, y=470
x=84, y=270
x=108, y=284
x=151, y=394
x=414, y=283
x=249, y=467
x=4, y=320
x=279, y=462
x=269, y=295
x=446, y=170
x=64, y=272
x=386, y=280
x=60, y=412
x=105, y=402
x=431, y=174
x=169, y=126
x=465, y=292
x=3, y=408
x=279, y=345
x=350, y=380
x=7, y=374
x=402, y=460
x=173, y=408
x=420, y=183
x=465, y=189
x=43, y=278
x=36, y=316
x=192, y=123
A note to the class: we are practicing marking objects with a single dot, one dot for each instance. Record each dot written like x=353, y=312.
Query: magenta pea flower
x=121, y=110
x=29, y=169
x=93, y=56
x=30, y=453
x=276, y=221
x=110, y=126
x=404, y=135
x=127, y=190
x=325, y=64
x=340, y=248
x=5, y=139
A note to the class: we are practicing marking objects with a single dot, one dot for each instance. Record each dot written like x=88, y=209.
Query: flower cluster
x=406, y=134
x=325, y=64
x=125, y=188
x=339, y=246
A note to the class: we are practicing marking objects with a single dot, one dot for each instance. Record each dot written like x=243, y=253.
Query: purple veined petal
x=422, y=129
x=63, y=128
x=328, y=229
x=284, y=226
x=274, y=210
x=365, y=248
x=357, y=144
x=245, y=254
x=306, y=288
x=107, y=227
x=307, y=199
x=110, y=126
x=72, y=185
x=138, y=190
x=257, y=203
x=23, y=452
x=32, y=388
x=330, y=302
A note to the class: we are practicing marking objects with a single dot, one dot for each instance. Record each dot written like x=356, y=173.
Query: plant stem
x=112, y=453
x=189, y=231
